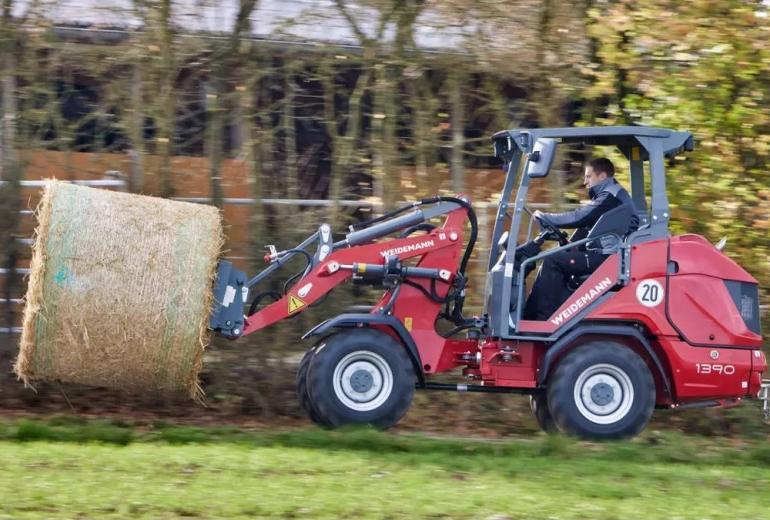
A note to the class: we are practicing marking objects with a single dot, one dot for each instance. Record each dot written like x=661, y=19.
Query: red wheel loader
x=664, y=322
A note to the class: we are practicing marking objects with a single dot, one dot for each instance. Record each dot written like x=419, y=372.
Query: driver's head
x=598, y=170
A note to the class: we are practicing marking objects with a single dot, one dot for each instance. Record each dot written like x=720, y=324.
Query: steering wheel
x=548, y=230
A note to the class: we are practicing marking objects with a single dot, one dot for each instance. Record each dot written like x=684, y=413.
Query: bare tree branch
x=362, y=38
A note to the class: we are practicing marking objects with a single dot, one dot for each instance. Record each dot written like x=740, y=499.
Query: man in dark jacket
x=550, y=289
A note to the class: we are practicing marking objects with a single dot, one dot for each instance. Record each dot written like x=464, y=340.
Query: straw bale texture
x=119, y=291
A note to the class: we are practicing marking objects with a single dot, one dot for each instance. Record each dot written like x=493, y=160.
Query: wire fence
x=14, y=303
x=486, y=213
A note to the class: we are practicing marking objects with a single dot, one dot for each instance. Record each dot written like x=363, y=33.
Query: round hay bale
x=120, y=290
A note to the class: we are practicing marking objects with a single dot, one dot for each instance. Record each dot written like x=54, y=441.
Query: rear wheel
x=539, y=406
x=601, y=390
x=360, y=376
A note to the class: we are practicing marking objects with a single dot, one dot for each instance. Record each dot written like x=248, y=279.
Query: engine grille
x=746, y=298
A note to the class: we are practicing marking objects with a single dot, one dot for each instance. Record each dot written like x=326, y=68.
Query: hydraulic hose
x=386, y=216
x=261, y=296
x=459, y=299
x=471, y=218
x=291, y=280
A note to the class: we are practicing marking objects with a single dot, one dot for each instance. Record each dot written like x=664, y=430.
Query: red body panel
x=696, y=303
x=512, y=364
x=597, y=284
x=699, y=304
x=695, y=254
x=758, y=367
x=419, y=314
x=453, y=352
x=702, y=310
x=648, y=262
x=704, y=373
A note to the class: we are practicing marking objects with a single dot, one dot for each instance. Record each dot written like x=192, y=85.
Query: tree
x=699, y=66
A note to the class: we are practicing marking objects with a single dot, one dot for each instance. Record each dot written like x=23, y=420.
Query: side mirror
x=503, y=149
x=500, y=147
x=541, y=158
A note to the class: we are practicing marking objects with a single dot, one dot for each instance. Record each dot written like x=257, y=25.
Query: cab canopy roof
x=672, y=142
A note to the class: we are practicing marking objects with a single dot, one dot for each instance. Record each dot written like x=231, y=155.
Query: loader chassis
x=664, y=321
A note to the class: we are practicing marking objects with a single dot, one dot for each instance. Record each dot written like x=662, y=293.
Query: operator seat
x=620, y=222
x=611, y=228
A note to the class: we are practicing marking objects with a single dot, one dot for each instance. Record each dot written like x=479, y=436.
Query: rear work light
x=746, y=298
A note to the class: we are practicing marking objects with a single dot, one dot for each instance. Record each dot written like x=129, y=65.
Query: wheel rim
x=363, y=380
x=604, y=394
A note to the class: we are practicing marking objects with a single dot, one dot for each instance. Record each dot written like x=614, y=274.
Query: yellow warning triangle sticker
x=295, y=304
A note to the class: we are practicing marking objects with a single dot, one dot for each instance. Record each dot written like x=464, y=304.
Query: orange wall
x=190, y=175
x=191, y=178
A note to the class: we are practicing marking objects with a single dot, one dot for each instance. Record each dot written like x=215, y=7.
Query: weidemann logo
x=406, y=249
x=581, y=302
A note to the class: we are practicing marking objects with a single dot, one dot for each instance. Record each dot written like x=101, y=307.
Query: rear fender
x=626, y=332
x=353, y=320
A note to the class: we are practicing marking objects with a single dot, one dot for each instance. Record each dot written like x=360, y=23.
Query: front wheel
x=601, y=390
x=360, y=376
x=301, y=385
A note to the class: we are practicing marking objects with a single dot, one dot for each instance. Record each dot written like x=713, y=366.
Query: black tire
x=538, y=403
x=301, y=384
x=601, y=390
x=365, y=362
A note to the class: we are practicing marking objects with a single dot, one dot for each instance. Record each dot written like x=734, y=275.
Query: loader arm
x=364, y=253
x=343, y=264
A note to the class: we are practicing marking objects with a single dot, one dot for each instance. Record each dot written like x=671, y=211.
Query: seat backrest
x=619, y=220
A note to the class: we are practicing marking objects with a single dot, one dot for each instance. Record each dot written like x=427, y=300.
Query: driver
x=550, y=289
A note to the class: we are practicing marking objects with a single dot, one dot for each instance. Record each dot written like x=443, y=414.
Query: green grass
x=70, y=468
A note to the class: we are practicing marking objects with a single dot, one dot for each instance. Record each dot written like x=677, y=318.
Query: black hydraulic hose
x=302, y=252
x=425, y=226
x=386, y=216
x=283, y=260
x=430, y=295
x=291, y=280
x=468, y=249
x=261, y=296
x=299, y=273
x=434, y=294
x=471, y=218
x=455, y=330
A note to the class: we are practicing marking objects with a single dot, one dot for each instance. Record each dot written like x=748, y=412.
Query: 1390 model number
x=707, y=368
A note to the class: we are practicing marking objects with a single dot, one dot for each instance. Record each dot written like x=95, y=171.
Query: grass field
x=68, y=468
